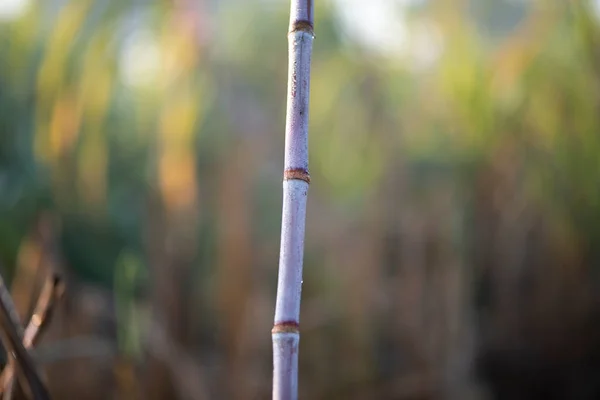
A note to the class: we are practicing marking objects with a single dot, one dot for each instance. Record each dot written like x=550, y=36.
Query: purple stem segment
x=285, y=333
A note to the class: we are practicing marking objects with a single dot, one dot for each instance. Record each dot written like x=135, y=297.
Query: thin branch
x=51, y=291
x=18, y=342
x=285, y=333
x=12, y=334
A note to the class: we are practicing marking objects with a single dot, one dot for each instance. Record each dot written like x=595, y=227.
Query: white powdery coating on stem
x=291, y=255
x=285, y=362
x=289, y=286
x=301, y=10
x=296, y=127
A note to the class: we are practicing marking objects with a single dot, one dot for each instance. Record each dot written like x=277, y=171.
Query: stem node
x=303, y=26
x=286, y=327
x=298, y=174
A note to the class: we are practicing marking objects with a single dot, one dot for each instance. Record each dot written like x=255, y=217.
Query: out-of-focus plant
x=426, y=175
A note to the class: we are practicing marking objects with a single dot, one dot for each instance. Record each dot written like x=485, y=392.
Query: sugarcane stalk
x=296, y=179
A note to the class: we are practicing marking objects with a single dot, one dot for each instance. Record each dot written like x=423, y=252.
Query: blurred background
x=453, y=233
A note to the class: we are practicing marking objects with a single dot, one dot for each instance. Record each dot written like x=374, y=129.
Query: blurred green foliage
x=107, y=105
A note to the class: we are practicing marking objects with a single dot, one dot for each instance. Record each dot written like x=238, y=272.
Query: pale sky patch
x=383, y=25
x=13, y=9
x=140, y=62
x=596, y=7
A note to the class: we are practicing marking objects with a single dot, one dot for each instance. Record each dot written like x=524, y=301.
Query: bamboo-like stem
x=285, y=333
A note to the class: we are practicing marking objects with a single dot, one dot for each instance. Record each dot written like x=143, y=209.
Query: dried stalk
x=40, y=318
x=12, y=335
x=285, y=333
x=19, y=342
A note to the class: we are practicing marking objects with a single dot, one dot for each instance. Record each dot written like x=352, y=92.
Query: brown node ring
x=286, y=327
x=302, y=25
x=299, y=174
